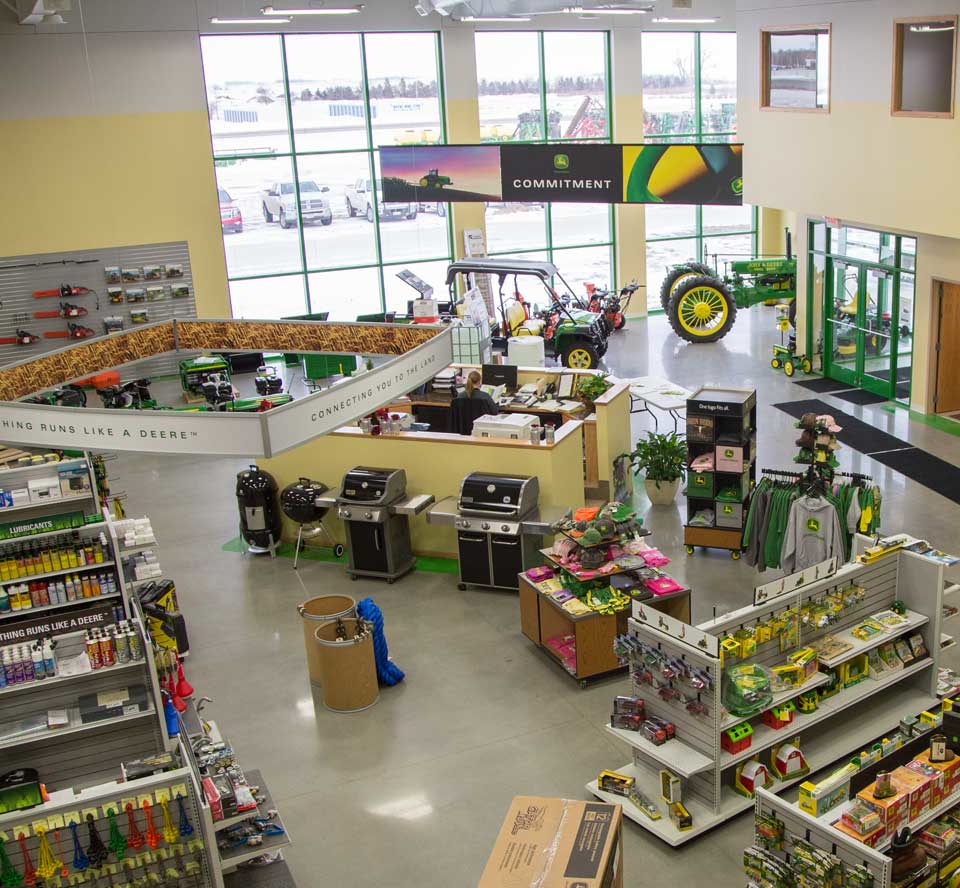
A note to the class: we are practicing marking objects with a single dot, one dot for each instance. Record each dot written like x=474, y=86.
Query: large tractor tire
x=580, y=356
x=677, y=276
x=702, y=309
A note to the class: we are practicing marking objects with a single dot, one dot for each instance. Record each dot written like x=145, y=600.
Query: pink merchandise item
x=703, y=463
x=609, y=567
x=563, y=548
x=538, y=574
x=586, y=574
x=616, y=551
x=635, y=547
x=654, y=558
x=662, y=585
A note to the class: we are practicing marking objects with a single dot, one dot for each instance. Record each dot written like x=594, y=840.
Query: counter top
x=568, y=428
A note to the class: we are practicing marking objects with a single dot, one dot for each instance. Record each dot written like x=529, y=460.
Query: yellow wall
x=115, y=180
x=437, y=467
x=613, y=431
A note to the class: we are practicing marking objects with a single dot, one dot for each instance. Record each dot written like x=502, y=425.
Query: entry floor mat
x=859, y=396
x=823, y=385
x=926, y=469
x=276, y=875
x=856, y=433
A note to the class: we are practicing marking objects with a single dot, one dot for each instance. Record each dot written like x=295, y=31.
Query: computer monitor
x=500, y=374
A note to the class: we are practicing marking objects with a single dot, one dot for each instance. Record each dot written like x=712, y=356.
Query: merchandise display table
x=654, y=391
x=590, y=653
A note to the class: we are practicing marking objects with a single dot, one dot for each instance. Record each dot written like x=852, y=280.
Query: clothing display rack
x=710, y=746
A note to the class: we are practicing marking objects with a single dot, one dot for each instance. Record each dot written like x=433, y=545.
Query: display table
x=654, y=391
x=542, y=619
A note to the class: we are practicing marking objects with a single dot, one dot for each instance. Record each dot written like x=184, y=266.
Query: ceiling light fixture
x=504, y=19
x=247, y=21
x=929, y=29
x=582, y=10
x=684, y=21
x=331, y=10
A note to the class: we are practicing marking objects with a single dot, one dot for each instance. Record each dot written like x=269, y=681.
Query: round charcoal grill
x=299, y=503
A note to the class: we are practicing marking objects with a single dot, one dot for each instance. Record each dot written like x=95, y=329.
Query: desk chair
x=465, y=411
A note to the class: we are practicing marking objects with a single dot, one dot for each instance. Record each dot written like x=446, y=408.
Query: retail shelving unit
x=844, y=722
x=721, y=422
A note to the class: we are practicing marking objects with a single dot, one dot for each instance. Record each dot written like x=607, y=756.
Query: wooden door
x=947, y=397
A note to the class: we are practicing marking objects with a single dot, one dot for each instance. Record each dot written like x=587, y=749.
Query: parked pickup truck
x=280, y=203
x=359, y=200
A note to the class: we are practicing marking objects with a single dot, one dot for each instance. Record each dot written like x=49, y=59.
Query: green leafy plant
x=660, y=457
x=592, y=386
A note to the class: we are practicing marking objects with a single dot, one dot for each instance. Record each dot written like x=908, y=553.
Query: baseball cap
x=825, y=420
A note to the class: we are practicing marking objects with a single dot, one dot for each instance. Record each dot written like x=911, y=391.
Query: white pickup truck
x=280, y=203
x=359, y=200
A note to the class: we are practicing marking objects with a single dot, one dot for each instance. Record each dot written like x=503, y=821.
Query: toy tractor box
x=557, y=843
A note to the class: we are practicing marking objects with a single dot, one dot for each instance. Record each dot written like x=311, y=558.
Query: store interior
x=647, y=503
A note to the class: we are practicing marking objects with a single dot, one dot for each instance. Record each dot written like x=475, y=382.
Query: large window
x=924, y=66
x=795, y=68
x=690, y=95
x=296, y=121
x=548, y=86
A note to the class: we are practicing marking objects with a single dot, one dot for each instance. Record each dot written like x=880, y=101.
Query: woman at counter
x=472, y=402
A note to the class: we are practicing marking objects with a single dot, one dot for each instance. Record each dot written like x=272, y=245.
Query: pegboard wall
x=151, y=281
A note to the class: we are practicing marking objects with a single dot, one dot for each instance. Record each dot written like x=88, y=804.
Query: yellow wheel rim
x=423, y=183
x=579, y=359
x=702, y=311
x=681, y=279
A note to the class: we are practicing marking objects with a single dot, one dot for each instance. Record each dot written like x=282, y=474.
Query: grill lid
x=501, y=495
x=364, y=484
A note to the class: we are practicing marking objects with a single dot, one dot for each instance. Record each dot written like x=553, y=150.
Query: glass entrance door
x=860, y=341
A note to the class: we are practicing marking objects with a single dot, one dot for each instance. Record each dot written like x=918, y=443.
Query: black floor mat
x=823, y=385
x=926, y=469
x=856, y=433
x=903, y=374
x=859, y=396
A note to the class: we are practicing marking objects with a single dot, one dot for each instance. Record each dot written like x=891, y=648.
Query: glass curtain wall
x=295, y=121
x=538, y=87
x=690, y=95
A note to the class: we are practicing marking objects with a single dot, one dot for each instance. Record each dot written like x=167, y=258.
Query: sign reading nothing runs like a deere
x=700, y=173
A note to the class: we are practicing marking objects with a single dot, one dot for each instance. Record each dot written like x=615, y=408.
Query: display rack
x=844, y=721
x=721, y=422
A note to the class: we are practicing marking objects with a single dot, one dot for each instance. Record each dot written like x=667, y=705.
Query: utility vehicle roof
x=542, y=270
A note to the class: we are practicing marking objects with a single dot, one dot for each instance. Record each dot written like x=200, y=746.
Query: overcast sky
x=335, y=58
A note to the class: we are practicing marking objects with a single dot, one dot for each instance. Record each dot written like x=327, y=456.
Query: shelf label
x=676, y=630
x=55, y=821
x=72, y=621
x=72, y=817
x=179, y=789
x=792, y=583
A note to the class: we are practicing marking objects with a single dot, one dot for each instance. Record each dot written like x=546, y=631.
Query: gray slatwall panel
x=703, y=786
x=848, y=850
x=125, y=872
x=17, y=304
x=696, y=731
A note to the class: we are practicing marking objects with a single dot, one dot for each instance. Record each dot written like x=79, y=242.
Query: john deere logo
x=736, y=186
x=813, y=525
x=561, y=161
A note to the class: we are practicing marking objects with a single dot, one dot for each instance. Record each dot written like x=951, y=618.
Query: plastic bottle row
x=59, y=553
x=116, y=644
x=32, y=661
x=43, y=593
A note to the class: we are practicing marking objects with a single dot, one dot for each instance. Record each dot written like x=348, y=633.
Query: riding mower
x=611, y=305
x=577, y=338
x=702, y=305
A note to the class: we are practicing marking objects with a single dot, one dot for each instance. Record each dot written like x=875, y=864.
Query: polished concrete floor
x=412, y=792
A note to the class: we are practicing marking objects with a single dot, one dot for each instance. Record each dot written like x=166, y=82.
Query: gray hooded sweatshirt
x=813, y=534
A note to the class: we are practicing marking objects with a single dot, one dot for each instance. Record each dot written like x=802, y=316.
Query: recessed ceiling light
x=582, y=10
x=684, y=21
x=929, y=29
x=330, y=10
x=247, y=21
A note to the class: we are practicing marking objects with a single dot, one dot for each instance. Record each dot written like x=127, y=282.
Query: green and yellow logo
x=561, y=162
x=813, y=525
x=736, y=186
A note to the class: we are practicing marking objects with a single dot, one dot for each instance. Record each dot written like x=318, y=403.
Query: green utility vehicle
x=433, y=179
x=702, y=305
x=577, y=338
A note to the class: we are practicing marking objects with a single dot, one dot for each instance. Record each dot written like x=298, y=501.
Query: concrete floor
x=412, y=792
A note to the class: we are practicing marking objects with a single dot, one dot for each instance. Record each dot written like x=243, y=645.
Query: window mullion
x=296, y=174
x=371, y=166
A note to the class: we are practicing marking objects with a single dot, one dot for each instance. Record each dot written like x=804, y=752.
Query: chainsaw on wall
x=64, y=291
x=66, y=310
x=22, y=337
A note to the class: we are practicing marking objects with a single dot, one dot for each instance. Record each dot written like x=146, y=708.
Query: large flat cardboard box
x=557, y=843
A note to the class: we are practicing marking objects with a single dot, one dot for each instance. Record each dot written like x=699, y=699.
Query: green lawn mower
x=702, y=305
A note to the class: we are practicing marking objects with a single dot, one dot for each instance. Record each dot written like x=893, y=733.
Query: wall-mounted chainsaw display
x=73, y=331
x=23, y=337
x=64, y=291
x=66, y=310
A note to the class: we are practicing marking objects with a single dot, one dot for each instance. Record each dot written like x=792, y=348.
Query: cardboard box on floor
x=557, y=843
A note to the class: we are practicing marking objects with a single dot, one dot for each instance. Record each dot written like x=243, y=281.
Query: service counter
x=435, y=463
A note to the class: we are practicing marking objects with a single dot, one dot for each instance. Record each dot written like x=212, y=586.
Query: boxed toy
x=854, y=670
x=861, y=818
x=833, y=790
x=935, y=777
x=893, y=811
x=938, y=836
x=950, y=771
x=806, y=659
x=917, y=788
x=870, y=839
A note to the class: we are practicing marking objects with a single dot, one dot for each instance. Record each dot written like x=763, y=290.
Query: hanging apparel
x=812, y=535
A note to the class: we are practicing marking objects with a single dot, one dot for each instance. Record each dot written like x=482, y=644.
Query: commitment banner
x=702, y=173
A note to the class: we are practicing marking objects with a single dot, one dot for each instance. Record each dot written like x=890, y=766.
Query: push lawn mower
x=702, y=305
x=67, y=396
x=267, y=380
x=577, y=338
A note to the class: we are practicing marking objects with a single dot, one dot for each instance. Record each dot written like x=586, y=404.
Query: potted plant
x=592, y=386
x=663, y=461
